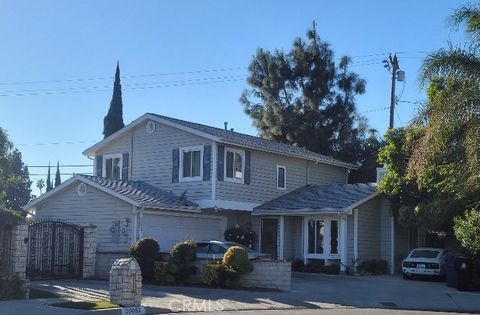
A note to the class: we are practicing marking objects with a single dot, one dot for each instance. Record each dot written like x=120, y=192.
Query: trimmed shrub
x=298, y=265
x=146, y=252
x=11, y=287
x=374, y=266
x=183, y=256
x=165, y=272
x=213, y=274
x=332, y=269
x=237, y=259
x=315, y=266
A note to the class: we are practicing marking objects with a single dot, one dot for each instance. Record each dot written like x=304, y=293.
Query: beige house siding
x=369, y=230
x=97, y=208
x=350, y=239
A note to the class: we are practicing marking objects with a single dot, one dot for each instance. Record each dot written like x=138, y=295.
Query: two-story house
x=173, y=180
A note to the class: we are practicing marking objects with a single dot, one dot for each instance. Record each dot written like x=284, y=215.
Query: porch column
x=281, y=228
x=355, y=236
x=343, y=243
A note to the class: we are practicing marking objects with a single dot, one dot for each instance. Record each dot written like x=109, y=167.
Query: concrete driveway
x=309, y=291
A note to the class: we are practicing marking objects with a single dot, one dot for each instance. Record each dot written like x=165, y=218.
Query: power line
x=127, y=76
x=128, y=88
x=56, y=143
x=66, y=165
x=63, y=174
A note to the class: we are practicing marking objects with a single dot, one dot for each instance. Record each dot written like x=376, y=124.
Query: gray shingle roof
x=144, y=194
x=317, y=199
x=243, y=140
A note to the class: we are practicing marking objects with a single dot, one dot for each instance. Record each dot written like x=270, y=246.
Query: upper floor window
x=234, y=165
x=112, y=166
x=191, y=163
x=281, y=177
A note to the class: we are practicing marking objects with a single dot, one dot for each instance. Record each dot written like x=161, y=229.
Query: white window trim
x=285, y=177
x=112, y=156
x=234, y=180
x=180, y=167
x=326, y=239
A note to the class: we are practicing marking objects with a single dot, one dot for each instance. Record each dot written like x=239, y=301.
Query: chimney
x=231, y=129
x=226, y=125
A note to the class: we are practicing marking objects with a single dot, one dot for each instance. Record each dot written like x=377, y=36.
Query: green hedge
x=11, y=287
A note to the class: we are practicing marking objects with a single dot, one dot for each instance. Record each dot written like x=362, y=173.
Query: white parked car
x=216, y=250
x=424, y=261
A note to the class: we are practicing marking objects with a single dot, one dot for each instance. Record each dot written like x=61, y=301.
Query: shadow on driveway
x=310, y=291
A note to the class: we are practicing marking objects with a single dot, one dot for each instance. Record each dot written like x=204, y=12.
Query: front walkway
x=308, y=292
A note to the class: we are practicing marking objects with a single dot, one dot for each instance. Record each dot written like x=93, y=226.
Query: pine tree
x=49, y=182
x=58, y=180
x=114, y=119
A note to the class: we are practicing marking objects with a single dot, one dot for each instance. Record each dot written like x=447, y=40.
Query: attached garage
x=172, y=227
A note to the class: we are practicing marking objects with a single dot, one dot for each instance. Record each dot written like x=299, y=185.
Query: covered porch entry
x=332, y=223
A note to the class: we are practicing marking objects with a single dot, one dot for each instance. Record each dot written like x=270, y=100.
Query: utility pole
x=391, y=64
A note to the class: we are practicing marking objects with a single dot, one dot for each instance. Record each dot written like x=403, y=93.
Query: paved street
x=322, y=294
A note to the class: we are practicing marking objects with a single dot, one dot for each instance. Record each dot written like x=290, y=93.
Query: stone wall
x=89, y=251
x=19, y=250
x=266, y=274
x=104, y=261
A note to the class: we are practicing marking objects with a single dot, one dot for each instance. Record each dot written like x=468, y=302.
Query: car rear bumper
x=421, y=271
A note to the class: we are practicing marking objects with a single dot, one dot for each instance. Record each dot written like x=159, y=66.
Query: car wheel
x=407, y=276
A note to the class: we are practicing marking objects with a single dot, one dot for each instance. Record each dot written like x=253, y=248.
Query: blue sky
x=186, y=59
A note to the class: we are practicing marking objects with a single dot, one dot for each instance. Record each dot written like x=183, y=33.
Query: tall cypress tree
x=58, y=180
x=114, y=119
x=49, y=182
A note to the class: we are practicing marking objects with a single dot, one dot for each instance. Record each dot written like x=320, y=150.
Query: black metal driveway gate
x=55, y=250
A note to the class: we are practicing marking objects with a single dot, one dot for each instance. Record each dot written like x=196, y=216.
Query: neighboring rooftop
x=244, y=140
x=319, y=199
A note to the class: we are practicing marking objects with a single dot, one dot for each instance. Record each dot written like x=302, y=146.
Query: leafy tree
x=14, y=178
x=302, y=98
x=467, y=230
x=40, y=185
x=114, y=119
x=458, y=62
x=58, y=179
x=49, y=181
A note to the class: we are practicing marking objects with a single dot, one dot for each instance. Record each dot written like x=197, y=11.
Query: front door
x=269, y=237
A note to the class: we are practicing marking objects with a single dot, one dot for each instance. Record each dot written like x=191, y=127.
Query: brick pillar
x=19, y=250
x=89, y=251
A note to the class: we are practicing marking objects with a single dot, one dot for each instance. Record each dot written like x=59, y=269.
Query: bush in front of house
x=298, y=265
x=240, y=235
x=315, y=266
x=165, y=272
x=146, y=251
x=183, y=256
x=226, y=273
x=373, y=267
x=11, y=287
x=213, y=274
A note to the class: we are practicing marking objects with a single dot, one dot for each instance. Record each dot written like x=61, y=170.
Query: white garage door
x=169, y=230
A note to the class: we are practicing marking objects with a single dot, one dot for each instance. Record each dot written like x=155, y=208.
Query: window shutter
x=247, y=167
x=220, y=162
x=99, y=160
x=125, y=164
x=175, y=165
x=207, y=157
